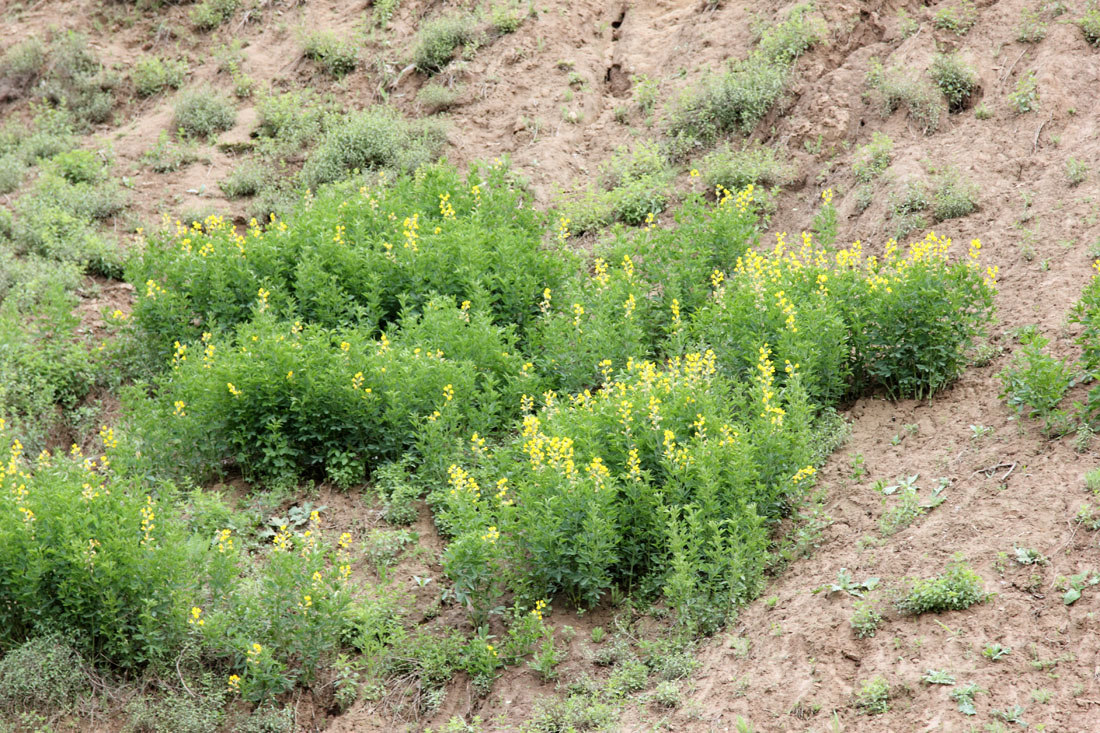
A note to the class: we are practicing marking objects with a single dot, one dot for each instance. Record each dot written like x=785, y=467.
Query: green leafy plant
x=153, y=75
x=1089, y=23
x=210, y=14
x=1031, y=28
x=938, y=677
x=437, y=40
x=994, y=652
x=338, y=58
x=202, y=112
x=958, y=18
x=1076, y=171
x=892, y=89
x=955, y=79
x=1025, y=98
x=1035, y=382
x=873, y=697
x=957, y=588
x=964, y=698
x=872, y=160
x=865, y=619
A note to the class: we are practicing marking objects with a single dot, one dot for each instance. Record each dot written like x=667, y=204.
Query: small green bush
x=873, y=696
x=1035, y=382
x=952, y=197
x=1031, y=28
x=437, y=40
x=12, y=171
x=788, y=39
x=43, y=674
x=756, y=165
x=1026, y=96
x=203, y=112
x=77, y=81
x=1076, y=171
x=508, y=17
x=958, y=18
x=288, y=122
x=169, y=155
x=892, y=89
x=23, y=63
x=153, y=75
x=247, y=179
x=338, y=58
x=437, y=97
x=210, y=14
x=955, y=79
x=865, y=619
x=957, y=588
x=629, y=163
x=78, y=166
x=872, y=159
x=374, y=138
x=1089, y=23
x=382, y=11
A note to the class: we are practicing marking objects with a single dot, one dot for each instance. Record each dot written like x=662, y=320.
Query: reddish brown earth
x=790, y=660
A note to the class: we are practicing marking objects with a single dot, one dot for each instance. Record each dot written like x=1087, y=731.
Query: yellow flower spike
x=196, y=617
x=234, y=683
x=448, y=393
x=233, y=390
x=578, y=312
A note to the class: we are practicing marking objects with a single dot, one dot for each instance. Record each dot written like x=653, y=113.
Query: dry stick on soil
x=1035, y=143
x=1010, y=68
x=990, y=470
x=180, y=673
x=1053, y=556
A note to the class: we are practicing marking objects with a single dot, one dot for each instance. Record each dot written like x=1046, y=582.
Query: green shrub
x=203, y=112
x=437, y=40
x=733, y=101
x=629, y=163
x=153, y=75
x=437, y=97
x=871, y=160
x=635, y=201
x=1035, y=382
x=78, y=166
x=247, y=179
x=508, y=17
x=187, y=712
x=210, y=14
x=338, y=58
x=873, y=697
x=131, y=610
x=865, y=619
x=43, y=674
x=957, y=588
x=1076, y=171
x=1026, y=96
x=382, y=11
x=1031, y=28
x=77, y=81
x=374, y=138
x=12, y=172
x=788, y=39
x=958, y=18
x=288, y=122
x=169, y=155
x=23, y=63
x=892, y=89
x=756, y=165
x=955, y=79
x=1089, y=23
x=952, y=197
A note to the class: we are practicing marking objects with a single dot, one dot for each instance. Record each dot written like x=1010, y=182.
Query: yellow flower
x=196, y=617
x=233, y=390
x=234, y=682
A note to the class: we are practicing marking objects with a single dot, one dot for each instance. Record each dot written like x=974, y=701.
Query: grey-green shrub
x=338, y=58
x=1089, y=23
x=247, y=179
x=437, y=97
x=892, y=89
x=374, y=138
x=437, y=40
x=952, y=197
x=211, y=13
x=734, y=169
x=23, y=63
x=76, y=80
x=203, y=112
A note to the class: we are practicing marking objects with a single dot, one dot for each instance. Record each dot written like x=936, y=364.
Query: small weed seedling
x=845, y=583
x=865, y=619
x=938, y=677
x=994, y=652
x=873, y=697
x=964, y=697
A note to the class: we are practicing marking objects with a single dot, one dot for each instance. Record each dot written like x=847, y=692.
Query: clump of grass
x=203, y=112
x=438, y=97
x=627, y=164
x=1089, y=23
x=1092, y=480
x=952, y=197
x=872, y=160
x=785, y=41
x=907, y=207
x=893, y=89
x=734, y=169
x=438, y=39
x=338, y=58
x=873, y=696
x=955, y=79
x=1026, y=96
x=153, y=75
x=210, y=14
x=1076, y=171
x=958, y=18
x=957, y=588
